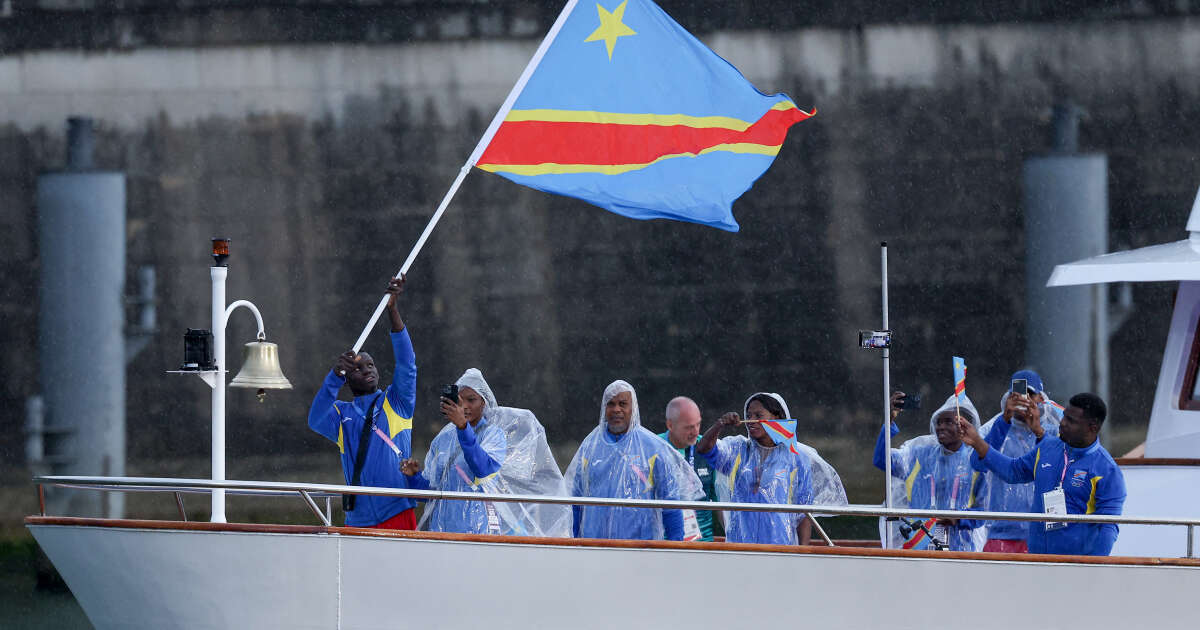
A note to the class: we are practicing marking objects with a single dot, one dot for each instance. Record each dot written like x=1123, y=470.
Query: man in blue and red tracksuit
x=384, y=418
x=1070, y=470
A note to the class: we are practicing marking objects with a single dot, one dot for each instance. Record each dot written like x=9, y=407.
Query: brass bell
x=260, y=369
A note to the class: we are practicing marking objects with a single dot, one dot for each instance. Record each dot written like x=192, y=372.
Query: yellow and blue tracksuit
x=464, y=460
x=773, y=475
x=935, y=479
x=342, y=422
x=1091, y=482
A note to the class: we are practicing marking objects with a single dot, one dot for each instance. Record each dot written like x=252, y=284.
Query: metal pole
x=1190, y=547
x=887, y=399
x=218, y=391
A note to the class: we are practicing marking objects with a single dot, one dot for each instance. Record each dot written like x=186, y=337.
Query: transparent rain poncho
x=826, y=484
x=514, y=439
x=927, y=476
x=634, y=465
x=1015, y=497
x=760, y=474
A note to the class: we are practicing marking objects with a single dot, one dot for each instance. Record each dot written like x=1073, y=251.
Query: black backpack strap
x=360, y=456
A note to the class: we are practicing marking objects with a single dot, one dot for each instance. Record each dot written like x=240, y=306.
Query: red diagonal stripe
x=533, y=142
x=779, y=427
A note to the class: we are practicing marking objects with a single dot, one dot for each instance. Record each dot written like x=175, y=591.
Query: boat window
x=1189, y=395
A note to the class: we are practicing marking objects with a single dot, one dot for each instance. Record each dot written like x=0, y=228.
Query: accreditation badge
x=1055, y=502
x=691, y=525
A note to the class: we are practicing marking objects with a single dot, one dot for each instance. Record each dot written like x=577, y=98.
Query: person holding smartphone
x=1025, y=400
x=934, y=472
x=490, y=449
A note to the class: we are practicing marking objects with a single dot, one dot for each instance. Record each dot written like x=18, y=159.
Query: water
x=26, y=607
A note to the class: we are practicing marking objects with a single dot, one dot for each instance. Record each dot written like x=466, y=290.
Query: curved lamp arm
x=262, y=333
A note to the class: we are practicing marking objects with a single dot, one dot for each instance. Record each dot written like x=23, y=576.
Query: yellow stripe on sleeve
x=971, y=490
x=912, y=476
x=479, y=480
x=737, y=463
x=650, y=477
x=1091, y=506
x=341, y=444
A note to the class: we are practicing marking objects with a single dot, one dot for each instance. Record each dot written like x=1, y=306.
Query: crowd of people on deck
x=1034, y=456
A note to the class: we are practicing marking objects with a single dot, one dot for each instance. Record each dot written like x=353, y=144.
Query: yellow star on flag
x=610, y=27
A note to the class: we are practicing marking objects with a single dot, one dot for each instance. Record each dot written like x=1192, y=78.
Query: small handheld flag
x=960, y=380
x=780, y=431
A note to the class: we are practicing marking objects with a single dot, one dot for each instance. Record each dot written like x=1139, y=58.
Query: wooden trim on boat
x=612, y=544
x=1156, y=461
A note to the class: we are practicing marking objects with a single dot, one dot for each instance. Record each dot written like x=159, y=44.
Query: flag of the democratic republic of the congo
x=630, y=112
x=960, y=379
x=781, y=432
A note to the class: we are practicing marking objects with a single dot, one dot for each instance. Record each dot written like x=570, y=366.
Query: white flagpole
x=887, y=398
x=480, y=147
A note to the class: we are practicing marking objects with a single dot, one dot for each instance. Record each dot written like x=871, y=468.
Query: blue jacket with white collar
x=1092, y=483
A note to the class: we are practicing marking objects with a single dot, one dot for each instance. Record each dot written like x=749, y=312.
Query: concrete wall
x=323, y=161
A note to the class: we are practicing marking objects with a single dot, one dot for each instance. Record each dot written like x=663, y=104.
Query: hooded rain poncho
x=827, y=488
x=927, y=476
x=504, y=453
x=636, y=464
x=1013, y=497
x=759, y=474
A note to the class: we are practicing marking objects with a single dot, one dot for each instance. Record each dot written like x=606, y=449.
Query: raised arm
x=899, y=468
x=710, y=448
x=1010, y=469
x=403, y=391
x=323, y=416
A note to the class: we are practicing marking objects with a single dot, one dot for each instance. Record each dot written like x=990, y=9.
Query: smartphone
x=910, y=401
x=875, y=338
x=451, y=392
x=1020, y=386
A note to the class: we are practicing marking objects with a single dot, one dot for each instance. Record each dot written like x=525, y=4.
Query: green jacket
x=709, y=526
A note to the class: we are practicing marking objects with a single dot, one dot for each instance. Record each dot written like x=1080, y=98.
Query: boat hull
x=222, y=576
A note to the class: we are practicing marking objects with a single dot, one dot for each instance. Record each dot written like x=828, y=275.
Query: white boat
x=175, y=574
x=164, y=574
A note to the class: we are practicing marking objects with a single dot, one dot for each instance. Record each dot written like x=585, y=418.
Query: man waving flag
x=628, y=111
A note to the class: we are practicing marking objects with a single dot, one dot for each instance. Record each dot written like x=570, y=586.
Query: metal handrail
x=278, y=488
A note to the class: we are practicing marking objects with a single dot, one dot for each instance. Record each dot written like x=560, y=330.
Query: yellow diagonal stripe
x=660, y=120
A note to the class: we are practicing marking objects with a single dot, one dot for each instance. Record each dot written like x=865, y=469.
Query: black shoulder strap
x=360, y=456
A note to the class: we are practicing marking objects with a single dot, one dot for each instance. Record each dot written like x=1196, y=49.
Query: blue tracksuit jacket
x=342, y=422
x=1091, y=481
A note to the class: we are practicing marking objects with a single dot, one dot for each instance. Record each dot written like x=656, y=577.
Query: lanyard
x=1063, y=476
x=386, y=440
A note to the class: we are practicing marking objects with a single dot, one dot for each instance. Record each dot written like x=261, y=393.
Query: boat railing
x=309, y=492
